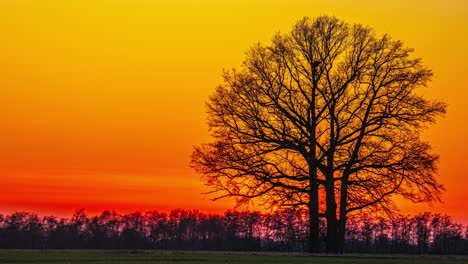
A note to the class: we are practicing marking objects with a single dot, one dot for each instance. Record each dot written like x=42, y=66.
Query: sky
x=103, y=101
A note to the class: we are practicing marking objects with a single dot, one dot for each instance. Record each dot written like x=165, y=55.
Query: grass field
x=182, y=257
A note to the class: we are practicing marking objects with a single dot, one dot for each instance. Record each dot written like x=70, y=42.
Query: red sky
x=104, y=100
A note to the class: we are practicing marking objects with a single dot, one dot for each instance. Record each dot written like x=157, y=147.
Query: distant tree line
x=251, y=231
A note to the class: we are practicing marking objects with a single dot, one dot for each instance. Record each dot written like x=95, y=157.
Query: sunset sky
x=103, y=100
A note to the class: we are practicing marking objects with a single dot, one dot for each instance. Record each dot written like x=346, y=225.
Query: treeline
x=251, y=231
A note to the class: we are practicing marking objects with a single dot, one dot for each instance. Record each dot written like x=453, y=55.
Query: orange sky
x=102, y=101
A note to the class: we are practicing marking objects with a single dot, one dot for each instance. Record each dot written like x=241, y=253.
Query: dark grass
x=193, y=257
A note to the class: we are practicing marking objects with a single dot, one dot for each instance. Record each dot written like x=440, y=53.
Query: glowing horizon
x=103, y=100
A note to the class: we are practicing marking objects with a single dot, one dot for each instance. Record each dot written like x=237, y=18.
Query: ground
x=193, y=257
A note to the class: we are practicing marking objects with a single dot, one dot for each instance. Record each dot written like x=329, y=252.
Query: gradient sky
x=102, y=101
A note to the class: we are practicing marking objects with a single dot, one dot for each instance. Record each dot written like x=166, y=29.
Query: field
x=182, y=257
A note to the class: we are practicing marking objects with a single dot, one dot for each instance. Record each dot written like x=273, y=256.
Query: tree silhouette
x=180, y=229
x=325, y=117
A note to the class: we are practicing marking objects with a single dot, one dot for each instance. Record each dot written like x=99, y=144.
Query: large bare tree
x=326, y=117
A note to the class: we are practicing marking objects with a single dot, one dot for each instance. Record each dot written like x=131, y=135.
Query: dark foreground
x=182, y=257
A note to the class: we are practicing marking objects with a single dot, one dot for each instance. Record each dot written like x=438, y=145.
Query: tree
x=326, y=117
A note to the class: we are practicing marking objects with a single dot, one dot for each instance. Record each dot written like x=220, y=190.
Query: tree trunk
x=332, y=227
x=341, y=234
x=343, y=213
x=314, y=223
x=330, y=198
x=314, y=220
